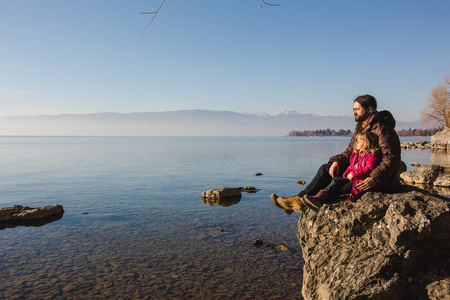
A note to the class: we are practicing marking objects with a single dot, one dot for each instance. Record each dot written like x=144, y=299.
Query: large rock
x=443, y=180
x=384, y=246
x=224, y=192
x=19, y=215
x=226, y=196
x=441, y=140
x=423, y=175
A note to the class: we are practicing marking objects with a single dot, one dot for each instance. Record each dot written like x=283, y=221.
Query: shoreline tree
x=438, y=105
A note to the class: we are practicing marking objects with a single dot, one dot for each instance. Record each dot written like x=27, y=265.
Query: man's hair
x=366, y=100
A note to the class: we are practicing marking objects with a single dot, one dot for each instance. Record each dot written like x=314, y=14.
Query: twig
x=266, y=3
x=154, y=13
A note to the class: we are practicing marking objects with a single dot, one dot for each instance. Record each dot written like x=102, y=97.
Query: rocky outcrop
x=226, y=196
x=384, y=246
x=416, y=145
x=19, y=215
x=423, y=175
x=441, y=140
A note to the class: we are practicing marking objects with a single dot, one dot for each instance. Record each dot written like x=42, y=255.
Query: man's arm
x=343, y=159
x=389, y=144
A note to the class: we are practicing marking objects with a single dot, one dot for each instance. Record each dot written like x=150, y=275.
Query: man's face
x=360, y=113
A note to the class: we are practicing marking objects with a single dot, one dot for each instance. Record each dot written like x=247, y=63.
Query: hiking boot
x=289, y=204
x=315, y=202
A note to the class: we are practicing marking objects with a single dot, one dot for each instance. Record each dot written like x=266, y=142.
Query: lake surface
x=135, y=226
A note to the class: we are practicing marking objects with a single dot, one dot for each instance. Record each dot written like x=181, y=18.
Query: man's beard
x=362, y=117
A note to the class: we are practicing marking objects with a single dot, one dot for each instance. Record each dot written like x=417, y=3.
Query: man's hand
x=334, y=169
x=366, y=184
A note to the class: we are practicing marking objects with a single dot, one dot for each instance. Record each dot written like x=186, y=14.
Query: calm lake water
x=135, y=226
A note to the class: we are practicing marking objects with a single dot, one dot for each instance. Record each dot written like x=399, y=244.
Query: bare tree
x=438, y=106
x=155, y=12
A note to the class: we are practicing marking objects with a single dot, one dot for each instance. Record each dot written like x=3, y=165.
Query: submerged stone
x=226, y=196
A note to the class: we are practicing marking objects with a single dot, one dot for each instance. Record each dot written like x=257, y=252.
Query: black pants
x=322, y=179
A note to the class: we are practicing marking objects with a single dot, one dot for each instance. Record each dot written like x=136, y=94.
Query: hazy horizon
x=258, y=113
x=79, y=57
x=177, y=123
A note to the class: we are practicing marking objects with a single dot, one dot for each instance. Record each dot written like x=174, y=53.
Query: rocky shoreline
x=416, y=145
x=384, y=246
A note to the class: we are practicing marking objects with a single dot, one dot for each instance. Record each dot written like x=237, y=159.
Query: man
x=384, y=177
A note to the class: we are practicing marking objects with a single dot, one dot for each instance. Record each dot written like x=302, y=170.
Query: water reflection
x=440, y=157
x=30, y=223
x=222, y=201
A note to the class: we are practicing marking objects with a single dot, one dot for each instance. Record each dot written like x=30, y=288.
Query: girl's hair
x=371, y=141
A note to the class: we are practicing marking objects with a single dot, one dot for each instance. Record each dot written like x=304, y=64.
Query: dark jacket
x=383, y=125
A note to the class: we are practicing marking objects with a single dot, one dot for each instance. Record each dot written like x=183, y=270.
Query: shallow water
x=135, y=226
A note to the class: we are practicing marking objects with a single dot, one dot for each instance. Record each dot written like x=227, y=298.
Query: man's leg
x=319, y=182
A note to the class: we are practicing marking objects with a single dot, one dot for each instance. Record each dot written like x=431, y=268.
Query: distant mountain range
x=178, y=123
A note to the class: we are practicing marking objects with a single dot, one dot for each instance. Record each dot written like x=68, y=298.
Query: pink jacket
x=361, y=165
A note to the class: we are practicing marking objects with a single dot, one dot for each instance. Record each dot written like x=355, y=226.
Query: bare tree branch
x=155, y=12
x=438, y=104
x=270, y=3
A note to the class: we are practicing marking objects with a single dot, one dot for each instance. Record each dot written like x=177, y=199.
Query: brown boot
x=315, y=202
x=274, y=198
x=289, y=204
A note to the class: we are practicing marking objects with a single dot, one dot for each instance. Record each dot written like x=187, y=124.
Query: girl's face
x=360, y=145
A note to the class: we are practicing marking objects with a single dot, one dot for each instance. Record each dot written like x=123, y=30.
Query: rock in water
x=384, y=246
x=423, y=175
x=222, y=193
x=441, y=140
x=25, y=213
x=18, y=215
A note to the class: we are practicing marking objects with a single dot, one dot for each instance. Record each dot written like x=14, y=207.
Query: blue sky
x=87, y=56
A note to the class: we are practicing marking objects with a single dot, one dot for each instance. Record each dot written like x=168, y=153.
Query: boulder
x=223, y=192
x=226, y=196
x=443, y=180
x=441, y=140
x=423, y=175
x=19, y=215
x=384, y=246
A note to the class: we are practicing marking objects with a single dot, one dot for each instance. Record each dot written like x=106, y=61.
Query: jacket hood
x=383, y=117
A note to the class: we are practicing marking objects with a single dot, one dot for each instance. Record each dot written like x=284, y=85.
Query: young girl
x=365, y=157
x=363, y=160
